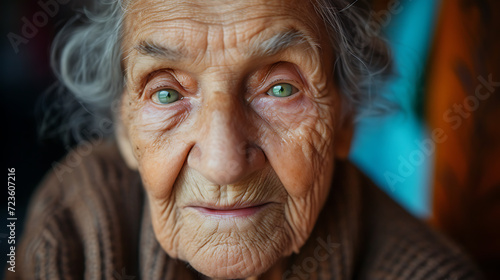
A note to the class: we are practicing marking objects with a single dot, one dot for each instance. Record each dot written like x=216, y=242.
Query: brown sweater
x=90, y=220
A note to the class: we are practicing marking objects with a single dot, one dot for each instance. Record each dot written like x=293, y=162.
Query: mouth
x=230, y=211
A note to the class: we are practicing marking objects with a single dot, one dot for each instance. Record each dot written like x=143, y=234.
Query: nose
x=223, y=152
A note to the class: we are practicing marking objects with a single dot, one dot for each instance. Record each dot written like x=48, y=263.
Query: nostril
x=195, y=151
x=250, y=152
x=227, y=165
x=255, y=156
x=244, y=150
x=194, y=156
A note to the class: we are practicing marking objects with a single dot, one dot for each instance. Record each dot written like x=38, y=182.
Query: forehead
x=215, y=24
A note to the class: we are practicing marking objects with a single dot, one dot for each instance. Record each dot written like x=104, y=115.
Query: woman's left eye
x=165, y=96
x=282, y=90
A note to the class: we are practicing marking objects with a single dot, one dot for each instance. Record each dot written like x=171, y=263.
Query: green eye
x=165, y=96
x=282, y=90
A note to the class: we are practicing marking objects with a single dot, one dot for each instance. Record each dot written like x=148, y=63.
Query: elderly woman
x=231, y=125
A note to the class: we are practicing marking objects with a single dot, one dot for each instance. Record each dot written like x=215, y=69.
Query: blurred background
x=439, y=156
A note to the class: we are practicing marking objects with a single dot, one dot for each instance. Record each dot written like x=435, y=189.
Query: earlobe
x=125, y=146
x=343, y=138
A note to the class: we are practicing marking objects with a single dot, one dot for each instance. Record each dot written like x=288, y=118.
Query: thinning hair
x=86, y=58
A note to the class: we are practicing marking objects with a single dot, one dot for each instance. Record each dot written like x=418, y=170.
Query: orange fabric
x=463, y=99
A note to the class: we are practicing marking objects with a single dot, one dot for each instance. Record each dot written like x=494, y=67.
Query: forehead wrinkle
x=254, y=42
x=152, y=13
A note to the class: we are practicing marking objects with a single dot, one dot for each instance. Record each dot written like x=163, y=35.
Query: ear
x=124, y=145
x=343, y=137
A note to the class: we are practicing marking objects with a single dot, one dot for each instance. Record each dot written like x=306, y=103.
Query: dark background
x=25, y=81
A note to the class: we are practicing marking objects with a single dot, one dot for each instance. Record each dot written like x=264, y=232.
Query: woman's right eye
x=165, y=96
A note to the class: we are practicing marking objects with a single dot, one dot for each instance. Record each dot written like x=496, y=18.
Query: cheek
x=298, y=143
x=159, y=147
x=297, y=139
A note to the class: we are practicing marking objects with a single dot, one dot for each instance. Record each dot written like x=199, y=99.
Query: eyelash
x=281, y=81
x=159, y=85
x=278, y=80
x=261, y=89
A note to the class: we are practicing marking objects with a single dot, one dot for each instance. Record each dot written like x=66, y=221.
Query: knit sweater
x=89, y=219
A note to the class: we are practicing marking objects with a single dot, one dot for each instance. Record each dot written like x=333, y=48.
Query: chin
x=231, y=248
x=234, y=262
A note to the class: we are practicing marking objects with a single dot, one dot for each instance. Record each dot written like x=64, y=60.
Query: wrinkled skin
x=227, y=142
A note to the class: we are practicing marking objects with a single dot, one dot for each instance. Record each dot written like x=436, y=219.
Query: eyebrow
x=155, y=50
x=269, y=47
x=281, y=42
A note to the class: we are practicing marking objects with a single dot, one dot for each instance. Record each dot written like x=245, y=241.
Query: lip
x=229, y=211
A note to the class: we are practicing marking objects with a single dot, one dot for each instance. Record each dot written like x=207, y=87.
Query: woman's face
x=230, y=114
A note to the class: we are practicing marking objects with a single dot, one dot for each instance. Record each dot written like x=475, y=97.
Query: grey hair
x=363, y=59
x=87, y=61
